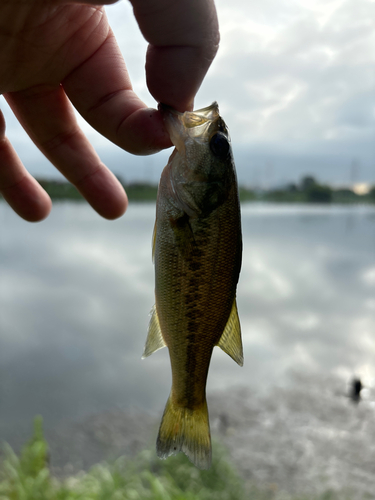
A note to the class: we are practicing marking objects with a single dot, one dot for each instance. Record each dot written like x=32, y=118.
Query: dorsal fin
x=230, y=341
x=155, y=339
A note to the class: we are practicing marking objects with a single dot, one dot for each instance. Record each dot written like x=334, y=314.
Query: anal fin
x=230, y=341
x=155, y=339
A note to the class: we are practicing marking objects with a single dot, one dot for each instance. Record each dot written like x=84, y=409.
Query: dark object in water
x=223, y=423
x=355, y=392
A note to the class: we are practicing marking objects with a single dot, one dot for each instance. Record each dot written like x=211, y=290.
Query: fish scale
x=197, y=249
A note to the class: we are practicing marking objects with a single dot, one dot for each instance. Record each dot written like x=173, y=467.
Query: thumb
x=183, y=40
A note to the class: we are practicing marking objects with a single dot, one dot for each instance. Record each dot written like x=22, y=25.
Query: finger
x=100, y=89
x=48, y=118
x=18, y=187
x=183, y=38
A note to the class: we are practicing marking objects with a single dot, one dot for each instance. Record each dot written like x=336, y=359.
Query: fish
x=197, y=252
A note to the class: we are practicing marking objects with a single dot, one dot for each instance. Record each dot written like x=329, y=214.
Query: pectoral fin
x=230, y=341
x=155, y=339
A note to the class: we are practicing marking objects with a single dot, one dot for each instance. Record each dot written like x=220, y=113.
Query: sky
x=295, y=82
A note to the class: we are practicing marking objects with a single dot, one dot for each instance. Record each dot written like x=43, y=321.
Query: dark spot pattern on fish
x=195, y=266
x=190, y=368
x=194, y=314
x=190, y=297
x=196, y=252
x=197, y=262
x=193, y=282
x=191, y=336
x=192, y=327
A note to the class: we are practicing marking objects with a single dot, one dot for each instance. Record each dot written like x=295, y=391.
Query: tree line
x=308, y=190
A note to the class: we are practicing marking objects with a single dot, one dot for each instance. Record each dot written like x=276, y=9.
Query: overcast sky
x=295, y=82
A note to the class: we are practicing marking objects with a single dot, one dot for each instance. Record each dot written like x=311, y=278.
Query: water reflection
x=75, y=292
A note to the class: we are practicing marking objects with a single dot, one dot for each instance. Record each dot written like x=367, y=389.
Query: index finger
x=183, y=37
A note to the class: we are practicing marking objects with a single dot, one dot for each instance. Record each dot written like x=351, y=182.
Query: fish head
x=201, y=167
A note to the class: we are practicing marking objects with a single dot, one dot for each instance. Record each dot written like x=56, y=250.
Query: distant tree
x=371, y=194
x=345, y=195
x=345, y=192
x=314, y=192
x=307, y=182
x=292, y=187
x=319, y=194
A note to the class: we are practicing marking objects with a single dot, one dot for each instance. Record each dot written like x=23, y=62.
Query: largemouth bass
x=197, y=250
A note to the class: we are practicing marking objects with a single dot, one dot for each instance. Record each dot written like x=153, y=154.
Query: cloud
x=368, y=276
x=294, y=81
x=300, y=73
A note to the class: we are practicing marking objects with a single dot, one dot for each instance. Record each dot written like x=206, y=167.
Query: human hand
x=55, y=54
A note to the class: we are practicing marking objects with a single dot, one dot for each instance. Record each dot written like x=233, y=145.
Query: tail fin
x=183, y=429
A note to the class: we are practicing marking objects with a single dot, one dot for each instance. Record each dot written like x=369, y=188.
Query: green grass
x=27, y=477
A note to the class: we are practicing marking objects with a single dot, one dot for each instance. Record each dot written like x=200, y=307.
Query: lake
x=76, y=291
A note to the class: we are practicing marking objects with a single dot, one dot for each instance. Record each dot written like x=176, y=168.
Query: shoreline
x=311, y=193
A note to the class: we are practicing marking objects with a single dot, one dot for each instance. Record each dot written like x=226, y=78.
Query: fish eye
x=219, y=145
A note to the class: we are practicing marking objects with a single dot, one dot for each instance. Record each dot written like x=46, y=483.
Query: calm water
x=76, y=290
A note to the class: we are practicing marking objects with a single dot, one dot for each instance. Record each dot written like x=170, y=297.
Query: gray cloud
x=294, y=80
x=299, y=80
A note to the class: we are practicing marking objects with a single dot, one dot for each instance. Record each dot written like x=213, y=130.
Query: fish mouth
x=190, y=124
x=195, y=118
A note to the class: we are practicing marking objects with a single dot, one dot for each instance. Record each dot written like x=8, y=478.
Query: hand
x=55, y=54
